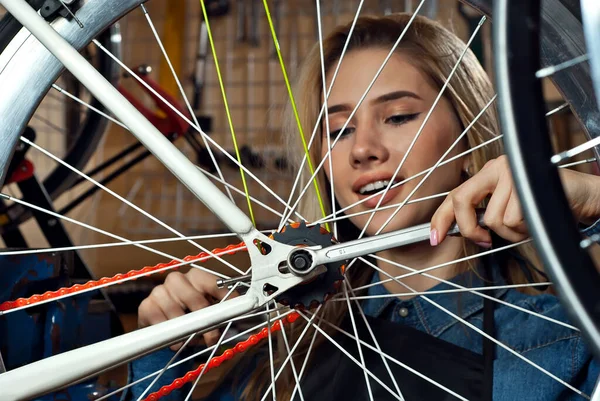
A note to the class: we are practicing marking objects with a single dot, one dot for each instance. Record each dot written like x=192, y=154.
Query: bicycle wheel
x=517, y=65
x=112, y=10
x=82, y=130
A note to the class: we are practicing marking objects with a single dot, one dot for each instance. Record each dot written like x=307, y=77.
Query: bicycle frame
x=70, y=367
x=61, y=370
x=145, y=132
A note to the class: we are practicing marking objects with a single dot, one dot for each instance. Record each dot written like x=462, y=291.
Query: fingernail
x=434, y=238
x=484, y=244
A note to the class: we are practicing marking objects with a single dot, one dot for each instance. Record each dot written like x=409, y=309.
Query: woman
x=369, y=150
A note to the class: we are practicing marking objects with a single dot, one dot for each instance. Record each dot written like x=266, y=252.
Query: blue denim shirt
x=558, y=349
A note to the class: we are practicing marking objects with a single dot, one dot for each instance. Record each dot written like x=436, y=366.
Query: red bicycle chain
x=227, y=354
x=214, y=362
x=48, y=295
x=218, y=360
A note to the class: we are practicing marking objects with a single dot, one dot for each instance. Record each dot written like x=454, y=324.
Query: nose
x=368, y=148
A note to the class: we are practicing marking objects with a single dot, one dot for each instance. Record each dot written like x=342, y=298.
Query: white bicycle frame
x=70, y=367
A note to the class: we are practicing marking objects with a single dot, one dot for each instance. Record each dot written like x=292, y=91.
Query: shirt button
x=403, y=312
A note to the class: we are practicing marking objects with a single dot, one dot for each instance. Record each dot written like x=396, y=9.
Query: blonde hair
x=434, y=51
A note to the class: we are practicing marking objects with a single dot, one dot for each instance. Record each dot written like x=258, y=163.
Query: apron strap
x=489, y=347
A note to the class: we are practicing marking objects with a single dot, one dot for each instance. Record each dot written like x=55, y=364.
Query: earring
x=468, y=171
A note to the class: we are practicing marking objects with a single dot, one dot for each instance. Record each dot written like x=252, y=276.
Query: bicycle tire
x=562, y=40
x=524, y=125
x=91, y=128
x=0, y=138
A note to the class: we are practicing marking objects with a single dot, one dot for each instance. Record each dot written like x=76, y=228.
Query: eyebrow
x=381, y=99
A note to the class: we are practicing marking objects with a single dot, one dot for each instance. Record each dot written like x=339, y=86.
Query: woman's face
x=379, y=135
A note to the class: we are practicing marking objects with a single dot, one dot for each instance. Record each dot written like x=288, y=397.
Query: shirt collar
x=435, y=320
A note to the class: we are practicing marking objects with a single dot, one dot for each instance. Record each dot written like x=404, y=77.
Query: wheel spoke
x=327, y=131
x=567, y=154
x=199, y=353
x=383, y=354
x=360, y=353
x=112, y=244
x=239, y=191
x=345, y=352
x=305, y=363
x=187, y=120
x=368, y=326
x=293, y=104
x=577, y=163
x=183, y=95
x=507, y=348
x=317, y=123
x=439, y=266
x=486, y=335
x=180, y=350
x=292, y=365
x=71, y=13
x=489, y=141
x=456, y=142
x=48, y=123
x=453, y=291
x=89, y=106
x=553, y=69
x=417, y=200
x=460, y=287
x=418, y=134
x=271, y=362
x=557, y=109
x=219, y=179
x=227, y=111
x=122, y=239
x=127, y=202
x=217, y=345
x=362, y=98
x=289, y=357
x=330, y=217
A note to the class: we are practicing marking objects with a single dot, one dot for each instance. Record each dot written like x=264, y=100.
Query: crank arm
x=380, y=242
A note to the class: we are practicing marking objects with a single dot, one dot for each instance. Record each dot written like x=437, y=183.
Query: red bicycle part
x=132, y=275
x=23, y=172
x=218, y=360
x=165, y=119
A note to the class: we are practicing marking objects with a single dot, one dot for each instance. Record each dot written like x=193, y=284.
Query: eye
x=399, y=119
x=334, y=134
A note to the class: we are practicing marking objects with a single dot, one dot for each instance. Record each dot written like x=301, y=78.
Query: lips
x=374, y=200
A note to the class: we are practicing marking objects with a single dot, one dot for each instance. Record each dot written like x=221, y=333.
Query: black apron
x=333, y=376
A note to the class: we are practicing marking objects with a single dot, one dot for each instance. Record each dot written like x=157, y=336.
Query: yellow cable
x=237, y=152
x=289, y=89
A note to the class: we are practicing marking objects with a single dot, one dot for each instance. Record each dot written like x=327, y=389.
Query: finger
x=463, y=201
x=149, y=313
x=468, y=223
x=185, y=293
x=169, y=306
x=513, y=216
x=212, y=337
x=470, y=195
x=514, y=221
x=496, y=207
x=441, y=221
x=207, y=284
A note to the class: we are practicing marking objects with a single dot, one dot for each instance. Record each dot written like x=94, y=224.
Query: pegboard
x=256, y=93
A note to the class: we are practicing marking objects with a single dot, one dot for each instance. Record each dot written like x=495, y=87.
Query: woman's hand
x=503, y=214
x=180, y=293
